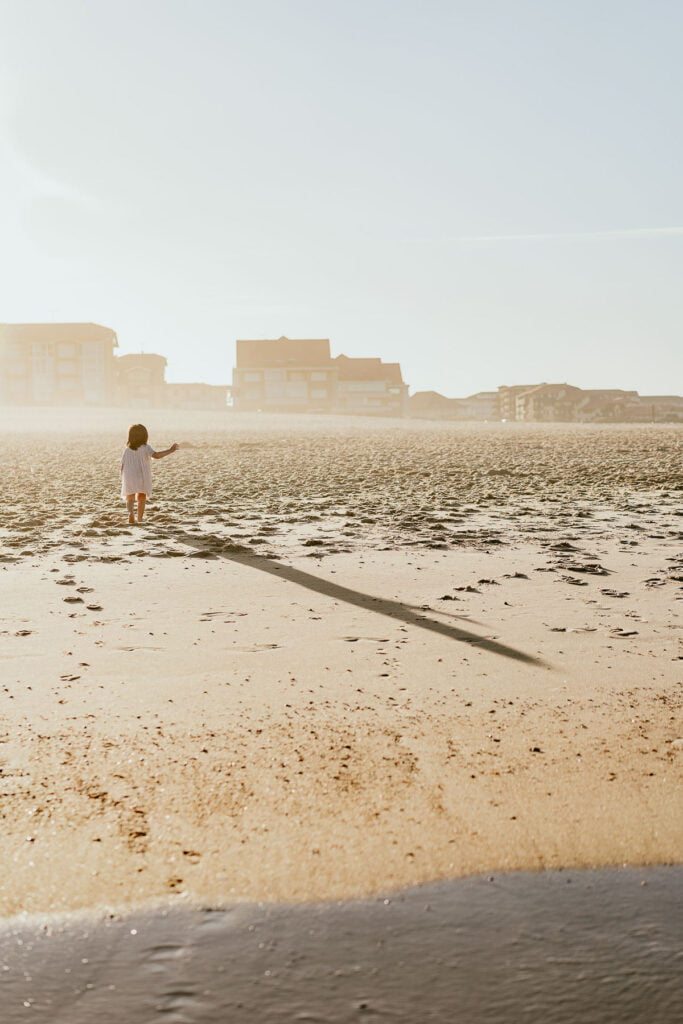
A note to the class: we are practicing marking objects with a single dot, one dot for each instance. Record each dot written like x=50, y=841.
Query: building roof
x=548, y=387
x=430, y=400
x=431, y=396
x=353, y=369
x=140, y=358
x=516, y=387
x=29, y=333
x=283, y=352
x=662, y=398
x=608, y=393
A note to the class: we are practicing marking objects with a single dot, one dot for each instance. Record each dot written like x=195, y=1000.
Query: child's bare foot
x=131, y=520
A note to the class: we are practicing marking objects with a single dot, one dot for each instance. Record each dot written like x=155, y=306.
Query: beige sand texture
x=341, y=657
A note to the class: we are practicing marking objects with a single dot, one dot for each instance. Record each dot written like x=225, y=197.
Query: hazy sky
x=487, y=190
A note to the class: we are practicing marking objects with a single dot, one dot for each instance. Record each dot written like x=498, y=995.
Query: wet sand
x=559, y=947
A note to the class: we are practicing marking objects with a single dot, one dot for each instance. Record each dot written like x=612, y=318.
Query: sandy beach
x=340, y=657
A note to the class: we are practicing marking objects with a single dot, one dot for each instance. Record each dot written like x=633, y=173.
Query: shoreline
x=563, y=945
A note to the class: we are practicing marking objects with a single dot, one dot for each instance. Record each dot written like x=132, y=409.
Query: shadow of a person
x=216, y=547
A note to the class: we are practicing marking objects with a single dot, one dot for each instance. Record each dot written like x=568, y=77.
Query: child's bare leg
x=142, y=499
x=130, y=500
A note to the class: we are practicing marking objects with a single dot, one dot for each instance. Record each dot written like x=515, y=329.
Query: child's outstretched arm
x=169, y=451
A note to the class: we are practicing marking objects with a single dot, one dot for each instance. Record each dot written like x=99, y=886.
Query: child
x=136, y=469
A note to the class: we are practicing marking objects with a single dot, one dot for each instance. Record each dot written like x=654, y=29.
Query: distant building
x=370, y=387
x=141, y=379
x=57, y=364
x=196, y=396
x=430, y=405
x=285, y=375
x=507, y=398
x=547, y=403
x=598, y=405
x=481, y=406
x=659, y=409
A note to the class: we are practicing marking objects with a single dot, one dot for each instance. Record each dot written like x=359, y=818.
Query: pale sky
x=488, y=191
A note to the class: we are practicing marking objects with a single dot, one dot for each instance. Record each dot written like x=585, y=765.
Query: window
x=318, y=375
x=318, y=392
x=274, y=375
x=252, y=376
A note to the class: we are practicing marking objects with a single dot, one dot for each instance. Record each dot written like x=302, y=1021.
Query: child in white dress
x=136, y=469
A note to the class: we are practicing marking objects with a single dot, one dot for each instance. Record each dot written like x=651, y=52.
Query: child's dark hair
x=137, y=436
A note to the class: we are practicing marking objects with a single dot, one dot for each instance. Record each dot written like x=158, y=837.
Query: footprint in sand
x=594, y=568
x=573, y=580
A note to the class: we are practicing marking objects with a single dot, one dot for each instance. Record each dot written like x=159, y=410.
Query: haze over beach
x=349, y=701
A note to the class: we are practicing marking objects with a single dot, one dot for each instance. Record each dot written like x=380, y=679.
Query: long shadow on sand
x=392, y=609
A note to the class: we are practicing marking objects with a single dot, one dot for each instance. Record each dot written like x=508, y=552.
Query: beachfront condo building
x=299, y=374
x=284, y=375
x=141, y=379
x=369, y=387
x=57, y=364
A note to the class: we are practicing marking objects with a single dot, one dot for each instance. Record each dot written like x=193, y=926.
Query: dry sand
x=341, y=657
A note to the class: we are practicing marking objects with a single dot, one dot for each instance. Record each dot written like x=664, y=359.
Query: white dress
x=136, y=470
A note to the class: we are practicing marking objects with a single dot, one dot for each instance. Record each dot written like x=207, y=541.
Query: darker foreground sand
x=557, y=947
